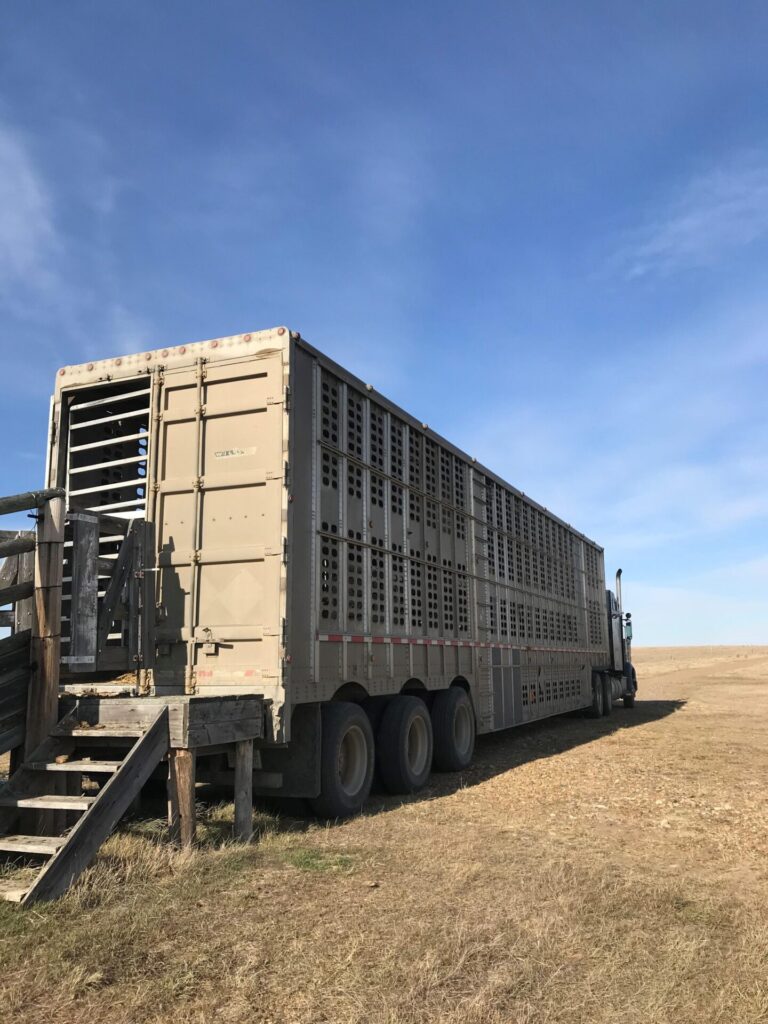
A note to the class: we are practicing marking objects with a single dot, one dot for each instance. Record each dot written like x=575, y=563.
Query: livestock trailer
x=253, y=533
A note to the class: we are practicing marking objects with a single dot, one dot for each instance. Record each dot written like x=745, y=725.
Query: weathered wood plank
x=114, y=589
x=225, y=732
x=42, y=698
x=105, y=732
x=193, y=721
x=10, y=663
x=146, y=599
x=13, y=894
x=102, y=817
x=13, y=670
x=12, y=736
x=17, y=592
x=49, y=569
x=244, y=790
x=43, y=694
x=16, y=545
x=29, y=500
x=47, y=802
x=46, y=845
x=82, y=766
x=25, y=610
x=85, y=590
x=9, y=570
x=13, y=698
x=15, y=643
x=181, y=796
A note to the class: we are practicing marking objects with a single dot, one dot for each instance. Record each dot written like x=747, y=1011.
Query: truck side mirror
x=628, y=631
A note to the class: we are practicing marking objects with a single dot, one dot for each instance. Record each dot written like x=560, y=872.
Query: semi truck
x=255, y=547
x=387, y=595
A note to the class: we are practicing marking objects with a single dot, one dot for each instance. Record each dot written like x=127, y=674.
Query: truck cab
x=621, y=669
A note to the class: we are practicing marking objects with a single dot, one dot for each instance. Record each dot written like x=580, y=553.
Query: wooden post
x=181, y=796
x=43, y=695
x=24, y=616
x=84, y=605
x=244, y=790
x=25, y=609
x=30, y=499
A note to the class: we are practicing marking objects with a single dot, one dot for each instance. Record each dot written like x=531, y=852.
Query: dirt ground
x=581, y=871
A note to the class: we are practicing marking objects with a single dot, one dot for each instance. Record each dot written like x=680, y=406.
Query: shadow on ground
x=500, y=752
x=495, y=754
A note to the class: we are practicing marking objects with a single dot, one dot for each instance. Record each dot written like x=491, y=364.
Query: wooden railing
x=30, y=583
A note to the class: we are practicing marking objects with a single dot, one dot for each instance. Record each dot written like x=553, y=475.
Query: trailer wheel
x=607, y=694
x=346, y=760
x=404, y=745
x=453, y=725
x=629, y=698
x=596, y=708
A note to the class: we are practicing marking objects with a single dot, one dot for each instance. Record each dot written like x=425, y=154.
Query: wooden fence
x=30, y=606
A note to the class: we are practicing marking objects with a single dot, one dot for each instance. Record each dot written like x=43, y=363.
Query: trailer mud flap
x=299, y=761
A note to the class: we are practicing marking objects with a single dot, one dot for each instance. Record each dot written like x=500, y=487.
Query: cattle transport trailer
x=253, y=535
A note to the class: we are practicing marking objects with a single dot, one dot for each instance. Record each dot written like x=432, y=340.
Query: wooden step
x=14, y=894
x=49, y=803
x=69, y=855
x=97, y=732
x=85, y=766
x=31, y=844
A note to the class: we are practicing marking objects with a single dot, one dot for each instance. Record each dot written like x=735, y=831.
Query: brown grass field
x=611, y=871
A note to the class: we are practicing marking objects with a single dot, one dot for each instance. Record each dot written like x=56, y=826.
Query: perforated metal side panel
x=429, y=569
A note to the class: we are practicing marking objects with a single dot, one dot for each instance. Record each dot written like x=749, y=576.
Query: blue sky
x=540, y=227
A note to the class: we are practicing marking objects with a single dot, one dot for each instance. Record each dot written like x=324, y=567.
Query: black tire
x=629, y=698
x=346, y=760
x=596, y=709
x=607, y=694
x=404, y=745
x=453, y=725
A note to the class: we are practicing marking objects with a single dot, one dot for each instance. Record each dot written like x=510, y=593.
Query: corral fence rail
x=30, y=619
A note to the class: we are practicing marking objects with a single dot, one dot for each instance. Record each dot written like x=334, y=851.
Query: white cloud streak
x=717, y=212
x=27, y=233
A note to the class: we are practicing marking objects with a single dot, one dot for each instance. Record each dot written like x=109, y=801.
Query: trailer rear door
x=220, y=512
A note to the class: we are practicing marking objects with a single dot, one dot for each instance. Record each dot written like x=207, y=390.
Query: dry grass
x=610, y=871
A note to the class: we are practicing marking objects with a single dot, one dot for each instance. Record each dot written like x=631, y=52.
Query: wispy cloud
x=27, y=233
x=718, y=211
x=55, y=269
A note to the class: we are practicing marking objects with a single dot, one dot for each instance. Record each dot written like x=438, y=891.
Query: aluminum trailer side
x=318, y=545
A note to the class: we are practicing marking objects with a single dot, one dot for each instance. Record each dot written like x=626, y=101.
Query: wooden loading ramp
x=47, y=792
x=116, y=744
